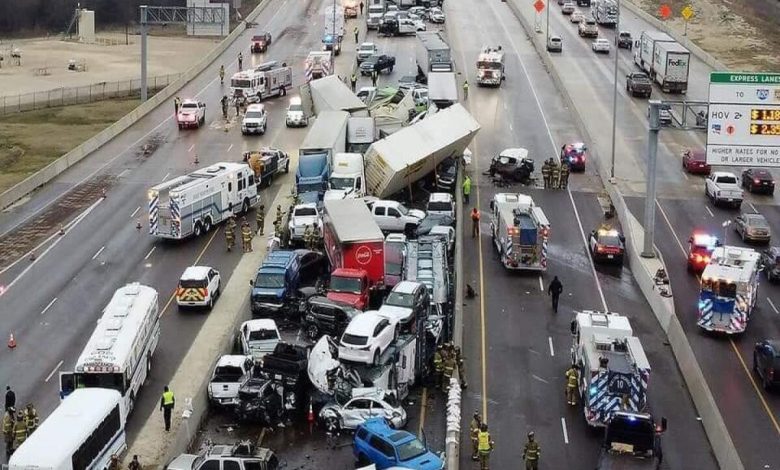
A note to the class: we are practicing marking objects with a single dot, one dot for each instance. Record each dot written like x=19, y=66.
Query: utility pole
x=547, y=26
x=614, y=93
x=652, y=153
x=144, y=90
x=333, y=40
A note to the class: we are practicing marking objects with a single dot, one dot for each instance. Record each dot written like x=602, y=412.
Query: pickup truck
x=366, y=50
x=266, y=163
x=723, y=187
x=230, y=373
x=632, y=441
x=378, y=64
x=304, y=215
x=639, y=84
x=240, y=456
x=392, y=216
x=191, y=113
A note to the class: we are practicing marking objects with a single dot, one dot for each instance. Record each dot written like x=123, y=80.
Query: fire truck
x=317, y=65
x=267, y=79
x=520, y=231
x=729, y=290
x=613, y=369
x=490, y=67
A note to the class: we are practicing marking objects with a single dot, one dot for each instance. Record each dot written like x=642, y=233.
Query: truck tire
x=284, y=89
x=287, y=166
x=312, y=331
x=198, y=229
x=207, y=225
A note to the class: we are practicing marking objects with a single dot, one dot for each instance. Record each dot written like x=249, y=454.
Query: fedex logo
x=677, y=62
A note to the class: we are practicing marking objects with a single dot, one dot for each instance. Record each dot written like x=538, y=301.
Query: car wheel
x=755, y=364
x=198, y=229
x=333, y=422
x=211, y=302
x=766, y=383
x=284, y=91
x=312, y=331
x=287, y=167
x=363, y=460
x=375, y=361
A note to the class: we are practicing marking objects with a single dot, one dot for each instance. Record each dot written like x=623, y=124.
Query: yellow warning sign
x=687, y=12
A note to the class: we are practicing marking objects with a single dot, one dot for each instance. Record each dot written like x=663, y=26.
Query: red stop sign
x=665, y=11
x=539, y=6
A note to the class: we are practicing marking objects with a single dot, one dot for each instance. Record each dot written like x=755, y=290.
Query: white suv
x=198, y=287
x=255, y=120
x=295, y=115
x=366, y=337
x=441, y=204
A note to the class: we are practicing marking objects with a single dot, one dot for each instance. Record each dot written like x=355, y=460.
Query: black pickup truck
x=378, y=64
x=639, y=84
x=632, y=441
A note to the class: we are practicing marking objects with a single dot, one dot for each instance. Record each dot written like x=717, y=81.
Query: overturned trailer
x=328, y=94
x=397, y=161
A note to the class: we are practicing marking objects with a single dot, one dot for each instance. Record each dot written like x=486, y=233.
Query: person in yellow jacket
x=31, y=417
x=531, y=453
x=474, y=427
x=167, y=401
x=572, y=381
x=485, y=447
x=20, y=430
x=8, y=431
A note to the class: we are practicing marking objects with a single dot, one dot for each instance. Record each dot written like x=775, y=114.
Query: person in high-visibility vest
x=31, y=415
x=438, y=366
x=572, y=380
x=474, y=426
x=167, y=401
x=531, y=453
x=475, y=222
x=485, y=447
x=466, y=90
x=466, y=189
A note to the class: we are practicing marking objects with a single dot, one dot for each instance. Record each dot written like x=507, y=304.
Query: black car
x=607, y=245
x=326, y=317
x=512, y=165
x=758, y=180
x=766, y=362
x=770, y=262
x=447, y=175
x=378, y=64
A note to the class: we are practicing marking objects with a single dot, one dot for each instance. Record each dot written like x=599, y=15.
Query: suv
x=295, y=115
x=198, y=287
x=241, y=456
x=766, y=362
x=408, y=300
x=255, y=120
x=441, y=204
x=366, y=50
x=377, y=443
x=588, y=28
x=326, y=317
x=555, y=43
x=770, y=262
x=392, y=216
x=366, y=338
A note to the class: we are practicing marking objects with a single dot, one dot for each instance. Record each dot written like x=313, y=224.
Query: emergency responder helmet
x=262, y=206
x=531, y=436
x=476, y=413
x=20, y=415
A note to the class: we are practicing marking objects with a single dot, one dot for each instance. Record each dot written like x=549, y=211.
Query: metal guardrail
x=65, y=96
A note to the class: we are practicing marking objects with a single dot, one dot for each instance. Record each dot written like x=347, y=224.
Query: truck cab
x=276, y=283
x=258, y=338
x=395, y=255
x=347, y=179
x=350, y=286
x=241, y=456
x=311, y=178
x=230, y=373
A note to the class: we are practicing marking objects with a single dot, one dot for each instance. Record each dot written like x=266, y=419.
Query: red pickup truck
x=355, y=247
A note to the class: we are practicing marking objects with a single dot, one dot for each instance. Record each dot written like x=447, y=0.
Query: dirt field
x=23, y=151
x=743, y=34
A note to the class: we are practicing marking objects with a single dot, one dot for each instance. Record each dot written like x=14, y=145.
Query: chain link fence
x=79, y=95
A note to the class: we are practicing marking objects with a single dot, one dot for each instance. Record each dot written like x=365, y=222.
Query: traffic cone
x=138, y=224
x=104, y=193
x=11, y=342
x=196, y=160
x=309, y=416
x=62, y=230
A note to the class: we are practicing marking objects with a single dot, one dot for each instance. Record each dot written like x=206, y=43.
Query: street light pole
x=614, y=93
x=547, y=26
x=652, y=152
x=333, y=40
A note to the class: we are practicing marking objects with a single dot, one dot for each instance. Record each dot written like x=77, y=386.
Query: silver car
x=366, y=403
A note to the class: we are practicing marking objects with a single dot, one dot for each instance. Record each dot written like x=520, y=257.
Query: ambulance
x=729, y=290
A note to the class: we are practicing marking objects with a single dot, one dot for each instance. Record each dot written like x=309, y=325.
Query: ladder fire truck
x=729, y=290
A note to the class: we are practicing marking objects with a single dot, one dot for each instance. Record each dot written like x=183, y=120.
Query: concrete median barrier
x=54, y=169
x=644, y=271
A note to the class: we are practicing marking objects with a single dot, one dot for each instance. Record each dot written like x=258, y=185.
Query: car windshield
x=305, y=212
x=399, y=299
x=253, y=115
x=489, y=65
x=228, y=374
x=309, y=188
x=345, y=284
x=342, y=182
x=719, y=288
x=355, y=340
x=240, y=83
x=440, y=206
x=189, y=106
x=402, y=209
x=262, y=335
x=269, y=281
x=410, y=450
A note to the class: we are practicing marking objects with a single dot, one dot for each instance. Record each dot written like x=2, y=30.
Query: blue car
x=377, y=443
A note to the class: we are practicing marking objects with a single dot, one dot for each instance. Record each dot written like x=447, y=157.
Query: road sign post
x=743, y=121
x=687, y=14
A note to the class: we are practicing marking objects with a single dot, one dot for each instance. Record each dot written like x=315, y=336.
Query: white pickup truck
x=304, y=215
x=230, y=373
x=722, y=187
x=392, y=216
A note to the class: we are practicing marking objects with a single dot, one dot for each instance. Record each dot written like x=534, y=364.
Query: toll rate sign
x=743, y=126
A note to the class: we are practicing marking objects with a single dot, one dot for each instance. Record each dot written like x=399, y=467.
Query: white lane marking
x=565, y=432
x=555, y=151
x=709, y=211
x=56, y=368
x=73, y=223
x=124, y=172
x=230, y=148
x=165, y=177
x=135, y=212
x=510, y=127
x=98, y=252
x=753, y=207
x=150, y=253
x=668, y=223
x=539, y=378
x=772, y=305
x=685, y=174
x=541, y=285
x=552, y=351
x=191, y=147
x=165, y=120
x=46, y=308
x=505, y=106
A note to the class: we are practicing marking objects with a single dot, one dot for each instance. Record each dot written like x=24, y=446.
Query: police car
x=575, y=154
x=199, y=286
x=700, y=248
x=607, y=245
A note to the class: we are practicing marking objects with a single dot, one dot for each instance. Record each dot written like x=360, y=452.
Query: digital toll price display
x=765, y=129
x=771, y=115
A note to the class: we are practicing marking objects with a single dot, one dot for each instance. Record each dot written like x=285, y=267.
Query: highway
x=517, y=349
x=751, y=414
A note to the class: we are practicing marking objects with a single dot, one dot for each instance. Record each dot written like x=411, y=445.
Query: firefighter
x=474, y=426
x=277, y=230
x=438, y=366
x=361, y=9
x=474, y=222
x=466, y=90
x=461, y=366
x=279, y=214
x=374, y=77
x=546, y=170
x=572, y=380
x=113, y=464
x=238, y=107
x=230, y=236
x=565, y=170
x=260, y=218
x=466, y=189
x=353, y=81
x=240, y=61
x=531, y=453
x=176, y=104
x=307, y=236
x=134, y=464
x=20, y=430
x=224, y=102
x=449, y=367
x=246, y=236
x=555, y=175
x=8, y=430
x=221, y=74
x=167, y=402
x=31, y=417
x=554, y=289
x=316, y=237
x=484, y=446
x=356, y=34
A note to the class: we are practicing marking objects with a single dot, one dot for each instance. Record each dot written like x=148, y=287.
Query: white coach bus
x=81, y=434
x=118, y=355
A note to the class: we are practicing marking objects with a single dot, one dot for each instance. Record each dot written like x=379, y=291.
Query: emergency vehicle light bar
x=703, y=239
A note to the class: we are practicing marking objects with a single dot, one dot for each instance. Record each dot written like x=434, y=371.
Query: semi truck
x=442, y=89
x=612, y=365
x=354, y=245
x=645, y=50
x=328, y=94
x=193, y=204
x=432, y=54
x=402, y=158
x=347, y=177
x=605, y=12
x=520, y=230
x=671, y=62
x=361, y=133
x=325, y=138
